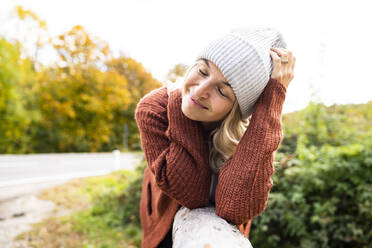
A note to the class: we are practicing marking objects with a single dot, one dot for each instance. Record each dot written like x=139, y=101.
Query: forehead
x=207, y=62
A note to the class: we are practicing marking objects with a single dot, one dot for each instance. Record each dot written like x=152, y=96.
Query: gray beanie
x=243, y=57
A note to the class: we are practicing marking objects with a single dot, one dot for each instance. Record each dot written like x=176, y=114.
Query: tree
x=16, y=117
x=79, y=109
x=35, y=36
x=79, y=100
x=79, y=103
x=140, y=82
x=77, y=47
x=178, y=70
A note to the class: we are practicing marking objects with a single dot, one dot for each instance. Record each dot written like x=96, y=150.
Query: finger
x=275, y=57
x=276, y=62
x=287, y=68
x=293, y=63
x=282, y=50
x=283, y=53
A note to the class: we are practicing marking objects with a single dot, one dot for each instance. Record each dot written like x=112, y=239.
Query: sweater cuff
x=275, y=86
x=270, y=101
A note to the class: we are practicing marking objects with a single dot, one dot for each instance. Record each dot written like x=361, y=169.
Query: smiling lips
x=197, y=103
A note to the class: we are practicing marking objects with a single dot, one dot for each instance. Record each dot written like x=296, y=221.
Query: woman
x=212, y=141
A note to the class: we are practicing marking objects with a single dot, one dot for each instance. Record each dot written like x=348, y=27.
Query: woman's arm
x=244, y=180
x=174, y=148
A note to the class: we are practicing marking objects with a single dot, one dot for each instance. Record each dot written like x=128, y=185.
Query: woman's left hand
x=283, y=71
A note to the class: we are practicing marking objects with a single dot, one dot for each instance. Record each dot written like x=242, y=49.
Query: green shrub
x=319, y=125
x=120, y=209
x=321, y=198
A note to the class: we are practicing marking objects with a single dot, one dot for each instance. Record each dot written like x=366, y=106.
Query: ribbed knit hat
x=243, y=57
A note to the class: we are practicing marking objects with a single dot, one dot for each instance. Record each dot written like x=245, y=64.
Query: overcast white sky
x=330, y=39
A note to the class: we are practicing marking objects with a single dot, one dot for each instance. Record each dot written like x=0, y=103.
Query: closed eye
x=219, y=90
x=203, y=73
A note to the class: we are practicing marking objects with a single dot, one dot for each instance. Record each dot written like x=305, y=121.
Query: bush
x=120, y=209
x=321, y=198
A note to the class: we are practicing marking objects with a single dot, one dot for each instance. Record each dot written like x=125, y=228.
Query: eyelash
x=204, y=74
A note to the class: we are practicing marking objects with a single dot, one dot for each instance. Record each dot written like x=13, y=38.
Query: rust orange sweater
x=178, y=171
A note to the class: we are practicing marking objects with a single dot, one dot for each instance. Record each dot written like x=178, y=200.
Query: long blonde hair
x=226, y=137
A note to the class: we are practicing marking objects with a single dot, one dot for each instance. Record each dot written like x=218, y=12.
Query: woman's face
x=206, y=94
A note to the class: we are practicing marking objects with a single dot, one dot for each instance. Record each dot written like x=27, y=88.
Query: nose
x=201, y=90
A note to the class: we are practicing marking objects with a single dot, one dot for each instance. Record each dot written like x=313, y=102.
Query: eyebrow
x=207, y=63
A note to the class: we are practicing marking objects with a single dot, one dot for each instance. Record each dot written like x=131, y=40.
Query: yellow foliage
x=83, y=100
x=24, y=13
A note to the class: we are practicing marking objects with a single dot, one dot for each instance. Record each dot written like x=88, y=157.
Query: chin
x=189, y=115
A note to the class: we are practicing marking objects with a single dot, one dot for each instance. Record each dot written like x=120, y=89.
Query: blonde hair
x=226, y=137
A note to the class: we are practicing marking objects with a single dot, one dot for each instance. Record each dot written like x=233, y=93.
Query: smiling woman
x=206, y=94
x=210, y=142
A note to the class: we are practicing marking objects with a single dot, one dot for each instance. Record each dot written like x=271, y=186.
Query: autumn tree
x=31, y=34
x=140, y=82
x=88, y=96
x=76, y=48
x=17, y=110
x=77, y=98
x=178, y=70
x=78, y=103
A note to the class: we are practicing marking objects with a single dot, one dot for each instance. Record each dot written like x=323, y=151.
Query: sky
x=331, y=40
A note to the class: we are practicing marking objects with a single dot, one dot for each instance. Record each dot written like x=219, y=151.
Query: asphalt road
x=22, y=177
x=21, y=174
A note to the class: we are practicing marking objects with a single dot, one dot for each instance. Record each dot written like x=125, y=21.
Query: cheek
x=189, y=112
x=221, y=108
x=191, y=78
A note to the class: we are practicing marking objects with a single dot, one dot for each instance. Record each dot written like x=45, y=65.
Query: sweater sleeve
x=245, y=178
x=174, y=149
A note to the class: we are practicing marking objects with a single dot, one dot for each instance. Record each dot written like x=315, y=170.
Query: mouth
x=195, y=102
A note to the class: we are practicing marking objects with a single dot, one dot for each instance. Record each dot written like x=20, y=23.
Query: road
x=23, y=176
x=21, y=171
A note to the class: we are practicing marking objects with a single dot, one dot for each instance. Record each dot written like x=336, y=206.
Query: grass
x=102, y=213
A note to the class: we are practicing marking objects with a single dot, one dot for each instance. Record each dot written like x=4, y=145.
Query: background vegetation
x=322, y=193
x=80, y=102
x=97, y=212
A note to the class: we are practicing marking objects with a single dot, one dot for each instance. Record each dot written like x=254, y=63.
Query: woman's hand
x=283, y=72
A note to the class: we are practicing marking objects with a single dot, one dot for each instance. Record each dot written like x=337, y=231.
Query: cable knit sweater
x=178, y=171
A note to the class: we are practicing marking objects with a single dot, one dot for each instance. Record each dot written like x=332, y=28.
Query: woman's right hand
x=283, y=72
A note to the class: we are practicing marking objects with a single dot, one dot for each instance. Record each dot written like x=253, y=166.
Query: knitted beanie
x=243, y=57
